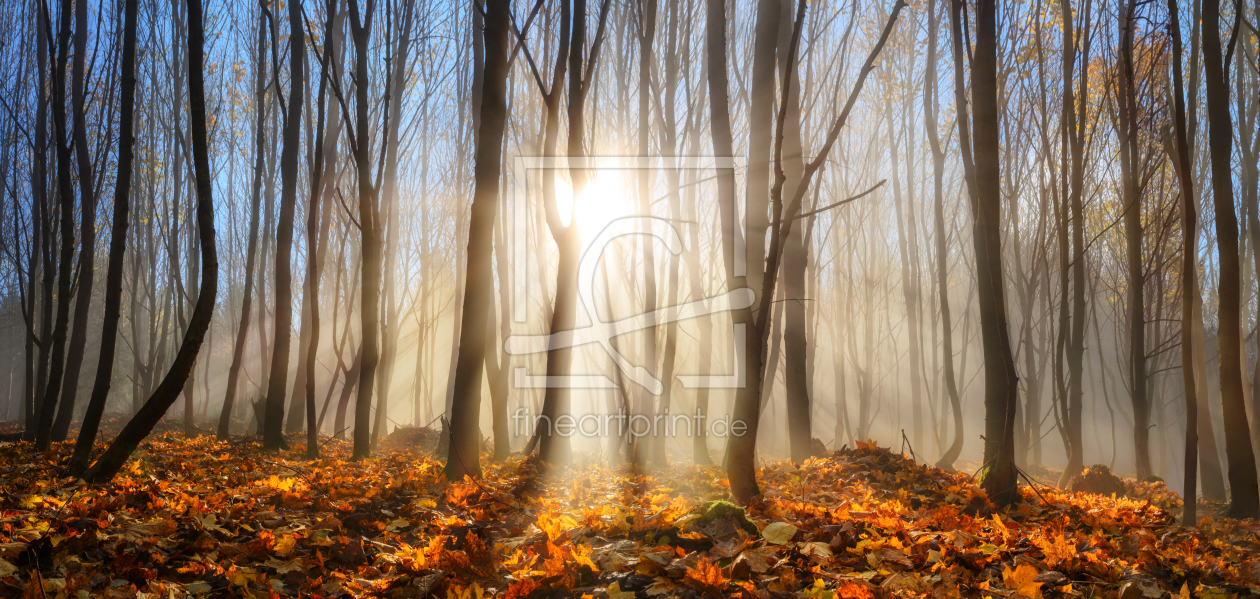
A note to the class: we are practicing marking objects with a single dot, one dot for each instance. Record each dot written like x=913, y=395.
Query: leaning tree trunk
x=1239, y=455
x=117, y=247
x=168, y=391
x=463, y=456
x=273, y=422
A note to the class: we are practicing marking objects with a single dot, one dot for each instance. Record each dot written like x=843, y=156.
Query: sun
x=604, y=200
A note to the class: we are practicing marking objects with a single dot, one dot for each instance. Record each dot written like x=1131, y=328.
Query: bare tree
x=172, y=384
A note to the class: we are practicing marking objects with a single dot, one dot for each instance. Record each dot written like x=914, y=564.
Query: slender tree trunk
x=1244, y=494
x=1189, y=271
x=117, y=246
x=720, y=131
x=87, y=231
x=242, y=333
x=273, y=423
x=931, y=114
x=370, y=287
x=1000, y=379
x=139, y=427
x=1130, y=168
x=65, y=196
x=463, y=456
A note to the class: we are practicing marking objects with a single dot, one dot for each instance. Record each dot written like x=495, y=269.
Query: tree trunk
x=1189, y=270
x=65, y=196
x=117, y=247
x=242, y=333
x=463, y=456
x=1000, y=379
x=87, y=231
x=1244, y=494
x=1130, y=172
x=720, y=127
x=139, y=427
x=931, y=114
x=370, y=286
x=277, y=386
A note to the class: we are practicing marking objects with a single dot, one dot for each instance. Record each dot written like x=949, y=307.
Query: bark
x=35, y=373
x=117, y=247
x=1240, y=457
x=931, y=114
x=273, y=423
x=347, y=389
x=1189, y=270
x=168, y=391
x=720, y=131
x=1130, y=173
x=65, y=196
x=242, y=332
x=316, y=243
x=1000, y=378
x=741, y=449
x=463, y=456
x=87, y=231
x=370, y=285
x=795, y=334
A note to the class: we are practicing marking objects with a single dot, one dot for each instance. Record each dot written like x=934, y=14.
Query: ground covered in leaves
x=200, y=517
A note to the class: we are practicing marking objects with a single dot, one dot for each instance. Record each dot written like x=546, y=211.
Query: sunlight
x=603, y=201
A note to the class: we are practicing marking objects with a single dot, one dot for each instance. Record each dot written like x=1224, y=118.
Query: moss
x=719, y=509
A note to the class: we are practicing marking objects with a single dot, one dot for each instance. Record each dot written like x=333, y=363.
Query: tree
x=87, y=230
x=172, y=384
x=463, y=456
x=242, y=331
x=931, y=115
x=273, y=423
x=1130, y=172
x=1000, y=380
x=65, y=193
x=369, y=230
x=1244, y=493
x=117, y=247
x=1189, y=269
x=741, y=449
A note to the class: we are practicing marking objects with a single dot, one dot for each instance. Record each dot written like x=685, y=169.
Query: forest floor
x=201, y=517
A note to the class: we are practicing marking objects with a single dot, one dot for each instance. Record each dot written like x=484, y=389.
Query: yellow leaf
x=778, y=533
x=1021, y=580
x=614, y=592
x=285, y=545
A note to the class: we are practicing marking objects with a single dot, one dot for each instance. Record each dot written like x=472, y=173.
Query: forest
x=630, y=298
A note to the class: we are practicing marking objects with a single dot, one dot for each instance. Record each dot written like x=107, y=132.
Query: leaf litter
x=205, y=518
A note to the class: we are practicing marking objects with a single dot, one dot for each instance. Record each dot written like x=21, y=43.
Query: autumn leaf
x=706, y=575
x=854, y=590
x=1021, y=580
x=614, y=592
x=778, y=533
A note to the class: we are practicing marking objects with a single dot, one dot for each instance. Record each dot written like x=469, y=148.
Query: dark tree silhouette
x=172, y=384
x=117, y=247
